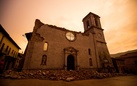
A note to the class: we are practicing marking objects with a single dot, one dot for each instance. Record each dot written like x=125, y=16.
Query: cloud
x=118, y=18
x=122, y=22
x=122, y=39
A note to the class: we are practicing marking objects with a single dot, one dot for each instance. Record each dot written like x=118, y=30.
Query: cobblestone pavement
x=113, y=81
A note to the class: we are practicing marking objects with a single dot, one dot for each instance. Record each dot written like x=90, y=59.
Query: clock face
x=70, y=36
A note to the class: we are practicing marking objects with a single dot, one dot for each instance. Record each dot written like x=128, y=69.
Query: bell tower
x=91, y=21
x=92, y=25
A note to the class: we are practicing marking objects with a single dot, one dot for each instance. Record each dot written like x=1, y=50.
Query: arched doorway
x=70, y=62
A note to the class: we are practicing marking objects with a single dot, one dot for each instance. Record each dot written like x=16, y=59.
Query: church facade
x=52, y=47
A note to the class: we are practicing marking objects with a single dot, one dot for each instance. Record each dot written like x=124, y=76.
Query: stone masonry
x=52, y=47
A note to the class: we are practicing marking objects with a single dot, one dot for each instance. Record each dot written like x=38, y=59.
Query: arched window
x=96, y=22
x=45, y=46
x=87, y=23
x=89, y=51
x=90, y=62
x=44, y=60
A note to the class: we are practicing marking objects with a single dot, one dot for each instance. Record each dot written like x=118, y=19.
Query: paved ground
x=114, y=81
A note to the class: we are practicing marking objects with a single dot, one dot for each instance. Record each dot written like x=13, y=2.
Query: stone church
x=52, y=47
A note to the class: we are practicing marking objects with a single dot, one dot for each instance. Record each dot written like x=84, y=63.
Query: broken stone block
x=43, y=73
x=31, y=74
x=7, y=76
x=70, y=79
x=47, y=72
x=14, y=77
x=52, y=78
x=57, y=75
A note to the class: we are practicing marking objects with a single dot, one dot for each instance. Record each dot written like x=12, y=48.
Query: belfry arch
x=71, y=59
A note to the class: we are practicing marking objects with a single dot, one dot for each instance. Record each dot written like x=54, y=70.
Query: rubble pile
x=57, y=75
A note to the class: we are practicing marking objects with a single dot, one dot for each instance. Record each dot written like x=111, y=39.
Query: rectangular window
x=12, y=51
x=89, y=51
x=2, y=47
x=45, y=46
x=9, y=51
x=15, y=54
x=7, y=48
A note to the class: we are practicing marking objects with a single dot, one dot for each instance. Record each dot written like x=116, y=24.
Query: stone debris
x=70, y=79
x=57, y=75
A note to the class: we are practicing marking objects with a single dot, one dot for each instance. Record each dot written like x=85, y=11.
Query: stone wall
x=56, y=39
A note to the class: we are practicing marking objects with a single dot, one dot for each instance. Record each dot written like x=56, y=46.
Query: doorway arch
x=70, y=62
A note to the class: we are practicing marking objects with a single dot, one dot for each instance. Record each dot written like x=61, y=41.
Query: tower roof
x=90, y=13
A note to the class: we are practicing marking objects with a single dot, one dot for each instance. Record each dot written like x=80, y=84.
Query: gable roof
x=8, y=36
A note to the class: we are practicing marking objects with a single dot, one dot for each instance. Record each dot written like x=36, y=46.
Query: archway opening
x=70, y=62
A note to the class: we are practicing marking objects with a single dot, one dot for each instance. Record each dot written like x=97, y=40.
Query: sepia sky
x=118, y=19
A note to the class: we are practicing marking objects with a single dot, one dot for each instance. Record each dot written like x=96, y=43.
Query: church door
x=70, y=62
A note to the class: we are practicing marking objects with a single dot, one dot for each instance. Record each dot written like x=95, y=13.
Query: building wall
x=8, y=50
x=89, y=41
x=55, y=54
x=126, y=63
x=56, y=44
x=94, y=27
x=12, y=47
x=131, y=64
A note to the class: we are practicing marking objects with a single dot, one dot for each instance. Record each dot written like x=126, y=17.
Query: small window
x=90, y=62
x=12, y=51
x=88, y=25
x=44, y=60
x=89, y=51
x=45, y=46
x=2, y=47
x=9, y=51
x=96, y=21
x=7, y=48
